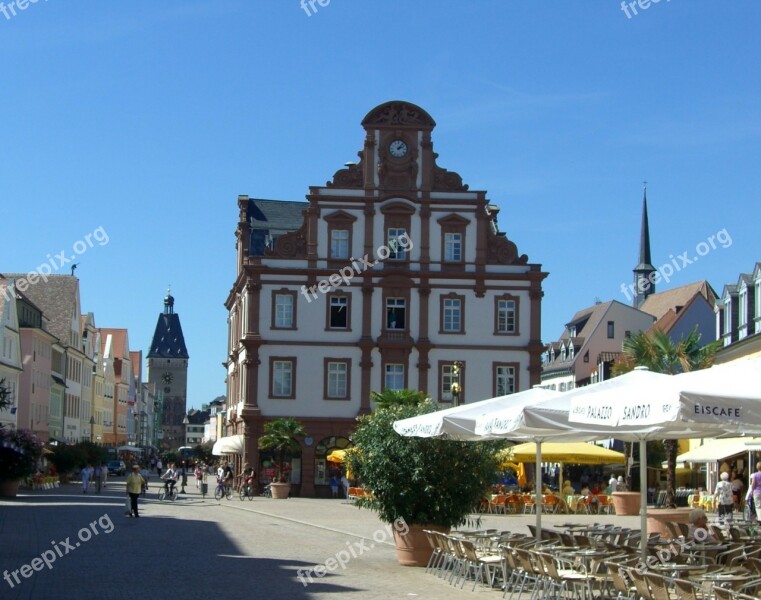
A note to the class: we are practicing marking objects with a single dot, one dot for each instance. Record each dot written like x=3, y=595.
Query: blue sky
x=147, y=119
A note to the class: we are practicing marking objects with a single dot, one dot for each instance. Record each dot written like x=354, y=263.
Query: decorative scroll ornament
x=350, y=177
x=503, y=252
x=446, y=181
x=398, y=113
x=290, y=245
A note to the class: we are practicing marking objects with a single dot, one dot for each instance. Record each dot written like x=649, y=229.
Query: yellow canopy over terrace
x=574, y=453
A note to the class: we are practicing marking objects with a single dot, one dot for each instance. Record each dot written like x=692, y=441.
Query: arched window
x=324, y=469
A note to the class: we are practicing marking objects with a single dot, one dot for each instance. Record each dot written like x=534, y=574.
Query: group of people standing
x=96, y=475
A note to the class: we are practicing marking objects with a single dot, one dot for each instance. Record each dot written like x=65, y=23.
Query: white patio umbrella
x=641, y=406
x=535, y=415
x=449, y=422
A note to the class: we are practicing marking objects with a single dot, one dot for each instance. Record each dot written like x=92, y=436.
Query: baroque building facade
x=392, y=275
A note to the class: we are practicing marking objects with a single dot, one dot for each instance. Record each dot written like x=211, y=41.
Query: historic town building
x=168, y=373
x=393, y=274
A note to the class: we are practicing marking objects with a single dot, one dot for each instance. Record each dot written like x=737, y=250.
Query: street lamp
x=92, y=426
x=186, y=422
x=455, y=387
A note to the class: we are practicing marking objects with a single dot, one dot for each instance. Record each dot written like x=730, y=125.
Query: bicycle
x=222, y=490
x=247, y=490
x=267, y=492
x=171, y=494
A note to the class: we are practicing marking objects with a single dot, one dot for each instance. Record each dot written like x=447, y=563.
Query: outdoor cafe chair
x=480, y=564
x=637, y=578
x=532, y=575
x=562, y=577
x=436, y=550
x=659, y=588
x=497, y=504
x=621, y=585
x=688, y=590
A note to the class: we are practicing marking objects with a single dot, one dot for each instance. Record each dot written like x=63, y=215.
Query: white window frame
x=453, y=246
x=393, y=376
x=284, y=311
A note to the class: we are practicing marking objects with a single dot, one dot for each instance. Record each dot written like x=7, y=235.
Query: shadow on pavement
x=153, y=556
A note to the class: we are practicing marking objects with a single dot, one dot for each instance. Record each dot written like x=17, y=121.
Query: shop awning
x=228, y=445
x=716, y=450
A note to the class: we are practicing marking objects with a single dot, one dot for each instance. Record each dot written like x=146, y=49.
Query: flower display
x=20, y=450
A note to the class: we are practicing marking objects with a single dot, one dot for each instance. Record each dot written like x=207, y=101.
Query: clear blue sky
x=149, y=118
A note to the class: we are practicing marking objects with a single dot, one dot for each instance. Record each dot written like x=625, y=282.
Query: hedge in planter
x=424, y=481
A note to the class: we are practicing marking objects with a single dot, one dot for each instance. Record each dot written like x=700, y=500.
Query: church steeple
x=643, y=279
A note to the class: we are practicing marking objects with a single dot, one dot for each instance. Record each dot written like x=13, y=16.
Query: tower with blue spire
x=168, y=372
x=643, y=273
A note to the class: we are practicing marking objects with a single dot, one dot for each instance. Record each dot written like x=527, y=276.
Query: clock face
x=397, y=148
x=167, y=377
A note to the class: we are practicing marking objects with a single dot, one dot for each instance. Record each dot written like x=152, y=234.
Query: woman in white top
x=723, y=497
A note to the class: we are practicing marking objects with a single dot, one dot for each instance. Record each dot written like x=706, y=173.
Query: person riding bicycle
x=228, y=476
x=246, y=477
x=170, y=479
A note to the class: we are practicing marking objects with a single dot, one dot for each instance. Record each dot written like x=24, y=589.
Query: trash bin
x=204, y=488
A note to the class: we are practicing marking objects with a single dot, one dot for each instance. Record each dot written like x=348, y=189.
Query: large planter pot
x=658, y=517
x=9, y=488
x=626, y=503
x=412, y=548
x=280, y=491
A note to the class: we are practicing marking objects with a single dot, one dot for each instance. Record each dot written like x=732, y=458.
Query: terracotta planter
x=658, y=517
x=626, y=503
x=412, y=548
x=280, y=491
x=9, y=488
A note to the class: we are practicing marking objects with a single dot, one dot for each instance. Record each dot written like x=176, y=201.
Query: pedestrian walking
x=345, y=484
x=158, y=467
x=144, y=473
x=184, y=476
x=86, y=475
x=135, y=483
x=723, y=496
x=334, y=486
x=198, y=474
x=98, y=480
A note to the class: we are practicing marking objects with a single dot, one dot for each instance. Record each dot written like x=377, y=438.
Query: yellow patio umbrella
x=337, y=456
x=575, y=453
x=505, y=457
x=521, y=475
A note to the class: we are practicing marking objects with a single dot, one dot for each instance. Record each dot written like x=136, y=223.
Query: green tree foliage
x=203, y=453
x=397, y=397
x=420, y=480
x=279, y=437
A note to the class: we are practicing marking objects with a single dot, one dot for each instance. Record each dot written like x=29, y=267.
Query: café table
x=724, y=578
x=672, y=569
x=584, y=557
x=700, y=549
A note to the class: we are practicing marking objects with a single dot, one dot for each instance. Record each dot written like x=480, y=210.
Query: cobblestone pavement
x=83, y=546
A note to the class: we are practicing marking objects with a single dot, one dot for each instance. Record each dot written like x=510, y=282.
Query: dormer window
x=562, y=352
x=570, y=352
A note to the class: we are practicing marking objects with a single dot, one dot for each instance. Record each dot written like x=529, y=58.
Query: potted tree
x=279, y=437
x=19, y=452
x=424, y=483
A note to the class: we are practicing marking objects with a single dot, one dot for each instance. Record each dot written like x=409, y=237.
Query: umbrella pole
x=538, y=491
x=643, y=497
